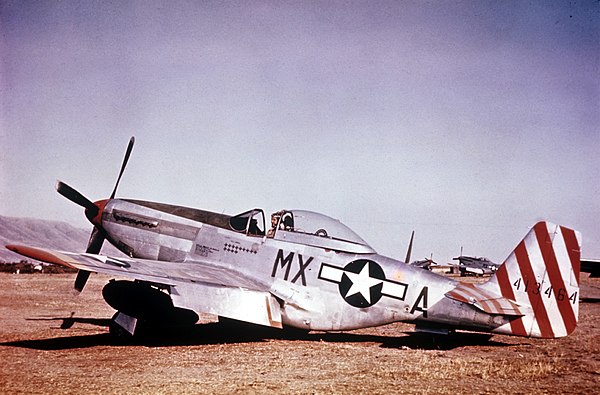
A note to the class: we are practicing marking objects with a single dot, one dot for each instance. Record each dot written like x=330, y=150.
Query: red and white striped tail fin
x=542, y=273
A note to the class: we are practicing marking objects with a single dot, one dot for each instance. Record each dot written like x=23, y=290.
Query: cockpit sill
x=325, y=242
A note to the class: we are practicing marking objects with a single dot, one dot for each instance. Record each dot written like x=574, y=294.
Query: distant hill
x=43, y=233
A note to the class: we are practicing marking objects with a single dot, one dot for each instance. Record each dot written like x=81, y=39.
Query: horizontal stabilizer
x=486, y=301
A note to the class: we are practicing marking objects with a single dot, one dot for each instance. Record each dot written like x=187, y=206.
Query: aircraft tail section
x=542, y=275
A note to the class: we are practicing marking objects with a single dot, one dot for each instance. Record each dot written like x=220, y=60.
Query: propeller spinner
x=93, y=212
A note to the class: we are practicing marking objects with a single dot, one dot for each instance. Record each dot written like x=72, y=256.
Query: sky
x=466, y=121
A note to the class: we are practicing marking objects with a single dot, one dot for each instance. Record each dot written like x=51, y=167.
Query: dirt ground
x=52, y=341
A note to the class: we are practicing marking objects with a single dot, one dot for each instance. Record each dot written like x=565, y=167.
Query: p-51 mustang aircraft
x=308, y=271
x=474, y=265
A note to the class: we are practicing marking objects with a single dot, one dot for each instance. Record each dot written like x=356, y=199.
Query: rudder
x=542, y=272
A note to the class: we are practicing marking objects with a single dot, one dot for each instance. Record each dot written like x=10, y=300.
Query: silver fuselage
x=308, y=274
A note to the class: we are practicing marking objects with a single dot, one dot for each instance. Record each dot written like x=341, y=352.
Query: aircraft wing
x=161, y=272
x=198, y=285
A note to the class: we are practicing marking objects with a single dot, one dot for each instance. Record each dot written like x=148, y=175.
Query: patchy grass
x=40, y=357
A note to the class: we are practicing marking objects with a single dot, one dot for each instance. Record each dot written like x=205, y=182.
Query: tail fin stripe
x=556, y=280
x=516, y=325
x=563, y=257
x=535, y=299
x=572, y=246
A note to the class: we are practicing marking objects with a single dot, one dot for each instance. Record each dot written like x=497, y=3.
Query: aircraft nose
x=95, y=215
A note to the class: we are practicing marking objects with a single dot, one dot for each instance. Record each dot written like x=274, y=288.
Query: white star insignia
x=362, y=283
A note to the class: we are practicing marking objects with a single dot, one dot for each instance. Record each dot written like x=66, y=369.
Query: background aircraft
x=308, y=271
x=475, y=266
x=423, y=263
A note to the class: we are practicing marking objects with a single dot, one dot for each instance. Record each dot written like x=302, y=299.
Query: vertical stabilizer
x=543, y=273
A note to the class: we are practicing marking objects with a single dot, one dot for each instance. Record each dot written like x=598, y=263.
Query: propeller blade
x=96, y=241
x=94, y=246
x=82, y=277
x=76, y=197
x=125, y=160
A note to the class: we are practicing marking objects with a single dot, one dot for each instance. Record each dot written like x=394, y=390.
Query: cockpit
x=301, y=227
x=251, y=222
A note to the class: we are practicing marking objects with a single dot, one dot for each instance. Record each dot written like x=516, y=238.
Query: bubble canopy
x=302, y=227
x=322, y=225
x=317, y=229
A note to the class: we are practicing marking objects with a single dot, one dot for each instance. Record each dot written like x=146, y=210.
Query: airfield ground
x=54, y=342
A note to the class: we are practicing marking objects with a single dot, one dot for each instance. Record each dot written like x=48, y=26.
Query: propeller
x=91, y=212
